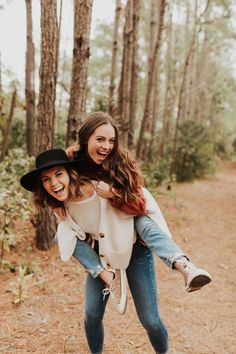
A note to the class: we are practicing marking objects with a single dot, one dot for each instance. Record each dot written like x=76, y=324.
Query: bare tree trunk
x=168, y=99
x=125, y=79
x=182, y=85
x=46, y=107
x=134, y=75
x=144, y=135
x=190, y=97
x=180, y=102
x=30, y=83
x=128, y=80
x=81, y=53
x=154, y=103
x=111, y=101
x=8, y=126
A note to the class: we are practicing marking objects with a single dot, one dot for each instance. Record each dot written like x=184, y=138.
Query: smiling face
x=56, y=182
x=101, y=143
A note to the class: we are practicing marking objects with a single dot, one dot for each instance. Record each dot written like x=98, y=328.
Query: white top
x=115, y=234
x=86, y=213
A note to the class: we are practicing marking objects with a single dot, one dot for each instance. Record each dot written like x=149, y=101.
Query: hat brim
x=30, y=179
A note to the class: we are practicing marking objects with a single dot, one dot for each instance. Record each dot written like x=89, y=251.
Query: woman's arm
x=136, y=207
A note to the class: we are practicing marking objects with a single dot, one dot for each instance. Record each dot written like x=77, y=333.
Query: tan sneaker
x=117, y=290
x=195, y=278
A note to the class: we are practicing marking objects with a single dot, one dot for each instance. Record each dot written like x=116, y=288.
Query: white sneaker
x=117, y=290
x=195, y=278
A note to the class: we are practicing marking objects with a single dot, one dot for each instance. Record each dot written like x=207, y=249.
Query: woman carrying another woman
x=54, y=182
x=101, y=157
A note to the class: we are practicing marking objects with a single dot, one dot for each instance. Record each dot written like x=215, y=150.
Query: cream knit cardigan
x=116, y=234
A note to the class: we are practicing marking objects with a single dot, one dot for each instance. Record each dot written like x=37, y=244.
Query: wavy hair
x=122, y=168
x=43, y=199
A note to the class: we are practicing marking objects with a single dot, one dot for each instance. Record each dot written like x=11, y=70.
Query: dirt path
x=202, y=217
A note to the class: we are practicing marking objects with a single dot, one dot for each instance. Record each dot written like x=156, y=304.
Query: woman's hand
x=104, y=190
x=70, y=152
x=60, y=213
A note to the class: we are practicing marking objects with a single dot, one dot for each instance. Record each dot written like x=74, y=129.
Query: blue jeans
x=142, y=282
x=88, y=258
x=157, y=240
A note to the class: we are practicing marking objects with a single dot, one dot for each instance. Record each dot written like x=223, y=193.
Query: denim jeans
x=88, y=258
x=142, y=283
x=157, y=240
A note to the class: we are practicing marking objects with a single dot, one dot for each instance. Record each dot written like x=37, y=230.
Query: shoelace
x=105, y=292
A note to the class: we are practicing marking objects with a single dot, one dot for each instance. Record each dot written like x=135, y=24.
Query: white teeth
x=102, y=153
x=59, y=189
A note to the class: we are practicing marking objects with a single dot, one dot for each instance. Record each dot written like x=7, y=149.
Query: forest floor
x=202, y=218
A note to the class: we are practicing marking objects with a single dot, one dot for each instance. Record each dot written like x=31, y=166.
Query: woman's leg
x=93, y=315
x=142, y=282
x=156, y=239
x=88, y=258
x=165, y=247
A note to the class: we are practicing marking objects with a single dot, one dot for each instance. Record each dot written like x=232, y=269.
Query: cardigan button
x=101, y=235
x=108, y=265
x=101, y=255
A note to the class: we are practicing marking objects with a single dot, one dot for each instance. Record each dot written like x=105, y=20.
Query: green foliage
x=194, y=153
x=18, y=132
x=156, y=173
x=14, y=203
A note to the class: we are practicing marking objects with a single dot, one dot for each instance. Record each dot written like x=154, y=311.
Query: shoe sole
x=124, y=291
x=198, y=282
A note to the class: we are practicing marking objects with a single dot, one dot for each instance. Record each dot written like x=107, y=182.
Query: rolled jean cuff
x=170, y=261
x=95, y=272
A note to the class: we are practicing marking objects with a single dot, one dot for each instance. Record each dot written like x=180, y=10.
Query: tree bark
x=134, y=75
x=144, y=135
x=30, y=83
x=168, y=97
x=128, y=79
x=111, y=100
x=46, y=107
x=81, y=53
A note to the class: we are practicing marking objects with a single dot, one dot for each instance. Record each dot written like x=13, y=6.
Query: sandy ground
x=202, y=217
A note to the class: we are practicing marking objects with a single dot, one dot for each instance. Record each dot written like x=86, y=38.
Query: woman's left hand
x=104, y=190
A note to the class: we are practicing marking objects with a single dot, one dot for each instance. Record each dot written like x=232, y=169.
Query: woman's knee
x=153, y=325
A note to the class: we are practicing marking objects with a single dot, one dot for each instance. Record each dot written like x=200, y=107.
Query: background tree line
x=161, y=68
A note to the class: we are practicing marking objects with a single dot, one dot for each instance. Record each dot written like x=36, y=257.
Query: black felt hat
x=43, y=161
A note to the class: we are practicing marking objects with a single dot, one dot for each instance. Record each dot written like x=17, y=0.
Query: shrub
x=194, y=153
x=14, y=203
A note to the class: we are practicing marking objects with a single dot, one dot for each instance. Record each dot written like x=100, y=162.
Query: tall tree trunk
x=154, y=102
x=144, y=135
x=30, y=83
x=168, y=98
x=128, y=80
x=81, y=53
x=111, y=100
x=7, y=128
x=134, y=75
x=180, y=105
x=46, y=107
x=190, y=97
x=197, y=28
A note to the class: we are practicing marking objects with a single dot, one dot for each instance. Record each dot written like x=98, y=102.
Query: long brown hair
x=43, y=199
x=122, y=168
